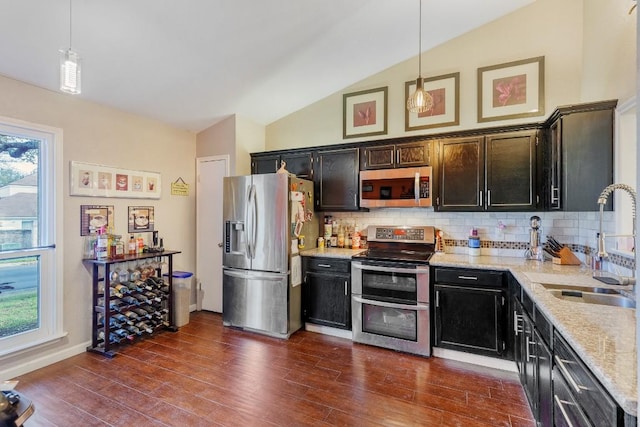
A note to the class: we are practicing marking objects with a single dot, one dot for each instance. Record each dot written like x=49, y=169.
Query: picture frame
x=141, y=219
x=93, y=217
x=364, y=113
x=88, y=179
x=445, y=90
x=512, y=90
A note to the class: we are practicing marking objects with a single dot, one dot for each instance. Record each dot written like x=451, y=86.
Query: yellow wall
x=102, y=135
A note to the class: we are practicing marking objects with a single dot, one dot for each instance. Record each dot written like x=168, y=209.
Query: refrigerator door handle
x=254, y=217
x=247, y=220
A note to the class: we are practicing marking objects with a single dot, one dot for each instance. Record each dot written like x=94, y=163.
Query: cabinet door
x=327, y=299
x=511, y=171
x=336, y=180
x=461, y=174
x=265, y=164
x=553, y=195
x=587, y=159
x=529, y=373
x=413, y=154
x=379, y=157
x=469, y=319
x=545, y=383
x=299, y=164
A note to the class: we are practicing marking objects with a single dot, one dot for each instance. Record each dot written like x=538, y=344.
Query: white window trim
x=51, y=234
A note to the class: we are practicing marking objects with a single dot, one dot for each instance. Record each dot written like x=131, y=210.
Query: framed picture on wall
x=512, y=90
x=445, y=91
x=141, y=219
x=95, y=217
x=364, y=113
x=87, y=179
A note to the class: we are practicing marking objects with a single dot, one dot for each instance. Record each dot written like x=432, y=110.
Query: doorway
x=210, y=171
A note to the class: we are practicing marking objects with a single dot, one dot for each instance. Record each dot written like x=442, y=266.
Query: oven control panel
x=423, y=234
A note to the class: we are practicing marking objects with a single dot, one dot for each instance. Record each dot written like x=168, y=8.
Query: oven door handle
x=418, y=306
x=390, y=269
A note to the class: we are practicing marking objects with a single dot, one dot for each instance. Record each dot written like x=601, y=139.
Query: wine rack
x=125, y=311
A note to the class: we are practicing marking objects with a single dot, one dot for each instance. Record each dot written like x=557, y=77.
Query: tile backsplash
x=501, y=233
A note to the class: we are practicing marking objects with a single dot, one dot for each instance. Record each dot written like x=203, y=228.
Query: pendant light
x=420, y=101
x=70, y=73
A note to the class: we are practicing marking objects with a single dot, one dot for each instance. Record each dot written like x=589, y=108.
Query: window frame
x=50, y=234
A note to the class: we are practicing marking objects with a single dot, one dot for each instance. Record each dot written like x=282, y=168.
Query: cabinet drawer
x=592, y=398
x=332, y=265
x=469, y=277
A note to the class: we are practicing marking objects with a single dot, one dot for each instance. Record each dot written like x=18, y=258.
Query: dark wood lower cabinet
x=469, y=319
x=327, y=292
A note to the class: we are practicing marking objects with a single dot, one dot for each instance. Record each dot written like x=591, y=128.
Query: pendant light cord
x=419, y=41
x=70, y=24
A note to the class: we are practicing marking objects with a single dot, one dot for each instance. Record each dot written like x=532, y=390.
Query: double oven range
x=390, y=289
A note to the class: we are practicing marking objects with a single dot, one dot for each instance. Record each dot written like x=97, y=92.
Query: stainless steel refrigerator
x=266, y=218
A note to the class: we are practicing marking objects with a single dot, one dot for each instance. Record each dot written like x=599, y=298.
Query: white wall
x=98, y=134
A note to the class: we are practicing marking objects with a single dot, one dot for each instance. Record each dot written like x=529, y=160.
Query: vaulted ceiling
x=190, y=63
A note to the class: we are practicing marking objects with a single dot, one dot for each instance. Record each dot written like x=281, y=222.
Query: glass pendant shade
x=70, y=72
x=419, y=101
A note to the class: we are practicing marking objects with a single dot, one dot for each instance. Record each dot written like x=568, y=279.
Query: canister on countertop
x=474, y=242
x=320, y=242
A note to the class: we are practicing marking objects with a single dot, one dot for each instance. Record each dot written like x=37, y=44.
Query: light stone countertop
x=603, y=336
x=332, y=252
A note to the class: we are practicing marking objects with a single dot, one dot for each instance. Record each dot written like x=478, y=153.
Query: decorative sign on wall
x=93, y=180
x=179, y=188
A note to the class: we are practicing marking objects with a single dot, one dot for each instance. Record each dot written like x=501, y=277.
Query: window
x=30, y=268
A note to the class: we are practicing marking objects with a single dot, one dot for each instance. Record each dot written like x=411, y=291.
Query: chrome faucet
x=602, y=251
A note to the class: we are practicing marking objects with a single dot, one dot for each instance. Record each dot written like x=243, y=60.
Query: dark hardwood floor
x=208, y=375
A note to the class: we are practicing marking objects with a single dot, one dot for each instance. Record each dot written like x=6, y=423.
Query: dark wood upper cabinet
x=298, y=163
x=579, y=156
x=396, y=155
x=511, y=171
x=337, y=179
x=265, y=163
x=488, y=172
x=461, y=174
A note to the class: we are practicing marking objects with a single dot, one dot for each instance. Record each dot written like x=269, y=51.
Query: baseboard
x=488, y=362
x=43, y=361
x=327, y=330
x=192, y=307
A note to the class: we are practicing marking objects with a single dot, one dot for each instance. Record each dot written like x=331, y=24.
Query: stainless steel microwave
x=402, y=187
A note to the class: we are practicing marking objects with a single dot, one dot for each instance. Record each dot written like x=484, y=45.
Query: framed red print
x=364, y=113
x=512, y=90
x=445, y=91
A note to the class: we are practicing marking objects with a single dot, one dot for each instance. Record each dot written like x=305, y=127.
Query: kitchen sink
x=589, y=295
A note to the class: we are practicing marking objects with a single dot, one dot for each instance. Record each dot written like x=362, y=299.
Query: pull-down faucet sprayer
x=602, y=252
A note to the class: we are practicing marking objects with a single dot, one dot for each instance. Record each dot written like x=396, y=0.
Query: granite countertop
x=332, y=252
x=603, y=336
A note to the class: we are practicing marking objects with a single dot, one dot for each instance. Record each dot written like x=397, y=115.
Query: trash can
x=181, y=295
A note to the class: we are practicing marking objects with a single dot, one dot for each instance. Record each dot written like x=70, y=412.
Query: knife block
x=566, y=257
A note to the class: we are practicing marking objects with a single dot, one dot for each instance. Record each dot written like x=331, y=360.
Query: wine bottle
x=120, y=288
x=113, y=323
x=130, y=300
x=131, y=315
x=145, y=327
x=142, y=313
x=133, y=329
x=123, y=334
x=122, y=319
x=141, y=299
x=113, y=338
